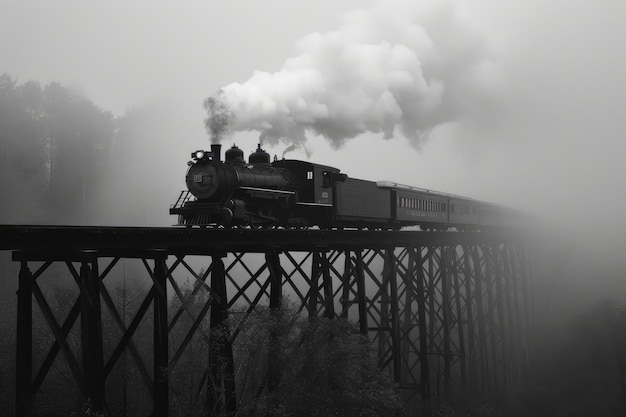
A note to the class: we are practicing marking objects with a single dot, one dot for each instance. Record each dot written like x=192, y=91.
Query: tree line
x=51, y=144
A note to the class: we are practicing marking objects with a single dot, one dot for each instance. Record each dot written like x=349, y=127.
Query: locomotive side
x=292, y=193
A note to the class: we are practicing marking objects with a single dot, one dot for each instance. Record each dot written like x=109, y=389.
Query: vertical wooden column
x=480, y=319
x=390, y=267
x=430, y=283
x=346, y=285
x=489, y=279
x=454, y=263
x=512, y=313
x=527, y=301
x=361, y=296
x=423, y=330
x=446, y=318
x=506, y=345
x=314, y=286
x=221, y=397
x=329, y=305
x=276, y=280
x=383, y=320
x=409, y=297
x=91, y=334
x=276, y=277
x=160, y=343
x=518, y=319
x=24, y=364
x=469, y=309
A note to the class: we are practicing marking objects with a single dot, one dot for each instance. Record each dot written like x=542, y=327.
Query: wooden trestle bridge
x=444, y=309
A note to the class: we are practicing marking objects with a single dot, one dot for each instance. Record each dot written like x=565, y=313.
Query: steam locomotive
x=283, y=193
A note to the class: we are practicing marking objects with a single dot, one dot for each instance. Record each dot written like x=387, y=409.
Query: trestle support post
x=24, y=348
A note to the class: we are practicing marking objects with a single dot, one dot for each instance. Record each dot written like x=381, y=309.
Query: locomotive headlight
x=198, y=155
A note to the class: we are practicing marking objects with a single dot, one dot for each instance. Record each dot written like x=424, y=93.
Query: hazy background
x=532, y=114
x=520, y=103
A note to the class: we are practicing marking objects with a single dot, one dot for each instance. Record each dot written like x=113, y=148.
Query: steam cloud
x=399, y=66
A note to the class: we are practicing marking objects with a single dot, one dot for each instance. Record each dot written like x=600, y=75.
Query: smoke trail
x=289, y=148
x=399, y=67
x=220, y=117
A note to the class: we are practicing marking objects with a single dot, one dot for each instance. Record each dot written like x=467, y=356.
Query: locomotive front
x=207, y=177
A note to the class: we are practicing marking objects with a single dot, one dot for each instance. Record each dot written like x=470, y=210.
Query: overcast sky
x=524, y=105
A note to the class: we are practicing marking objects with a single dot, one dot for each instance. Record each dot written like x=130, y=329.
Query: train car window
x=443, y=207
x=309, y=175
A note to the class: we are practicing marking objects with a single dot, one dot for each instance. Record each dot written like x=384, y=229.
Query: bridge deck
x=205, y=241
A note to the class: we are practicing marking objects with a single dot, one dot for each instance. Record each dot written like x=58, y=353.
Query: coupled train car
x=260, y=193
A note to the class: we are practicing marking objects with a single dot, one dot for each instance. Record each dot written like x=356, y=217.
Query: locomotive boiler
x=260, y=193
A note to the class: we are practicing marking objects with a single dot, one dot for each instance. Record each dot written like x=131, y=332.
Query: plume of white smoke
x=402, y=65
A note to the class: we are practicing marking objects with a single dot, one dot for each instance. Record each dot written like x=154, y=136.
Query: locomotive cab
x=315, y=181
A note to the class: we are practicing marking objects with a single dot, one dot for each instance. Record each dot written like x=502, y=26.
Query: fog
x=518, y=103
x=525, y=109
x=522, y=100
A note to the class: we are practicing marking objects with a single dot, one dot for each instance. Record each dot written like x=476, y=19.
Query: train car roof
x=396, y=186
x=291, y=162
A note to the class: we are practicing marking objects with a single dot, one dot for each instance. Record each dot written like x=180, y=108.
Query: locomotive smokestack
x=216, y=148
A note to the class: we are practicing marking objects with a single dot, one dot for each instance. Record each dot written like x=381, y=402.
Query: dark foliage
x=289, y=365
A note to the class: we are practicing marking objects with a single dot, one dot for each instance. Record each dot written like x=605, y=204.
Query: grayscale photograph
x=409, y=208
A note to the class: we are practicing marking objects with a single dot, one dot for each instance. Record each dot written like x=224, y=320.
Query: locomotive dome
x=234, y=154
x=259, y=156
